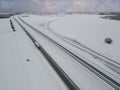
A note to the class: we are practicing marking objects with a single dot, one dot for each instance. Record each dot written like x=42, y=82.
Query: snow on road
x=22, y=66
x=95, y=30
x=76, y=71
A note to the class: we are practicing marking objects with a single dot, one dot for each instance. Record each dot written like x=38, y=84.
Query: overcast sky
x=59, y=5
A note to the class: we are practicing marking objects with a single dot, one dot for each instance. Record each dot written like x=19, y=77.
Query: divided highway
x=76, y=73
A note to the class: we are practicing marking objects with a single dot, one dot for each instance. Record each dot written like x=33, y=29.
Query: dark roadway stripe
x=12, y=26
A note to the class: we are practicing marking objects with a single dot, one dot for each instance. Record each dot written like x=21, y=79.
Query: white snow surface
x=16, y=73
x=5, y=26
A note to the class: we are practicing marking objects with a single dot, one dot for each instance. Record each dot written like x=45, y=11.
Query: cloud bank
x=60, y=5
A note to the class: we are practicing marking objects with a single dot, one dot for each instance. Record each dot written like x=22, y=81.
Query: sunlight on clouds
x=60, y=5
x=56, y=5
x=36, y=1
x=49, y=5
x=78, y=5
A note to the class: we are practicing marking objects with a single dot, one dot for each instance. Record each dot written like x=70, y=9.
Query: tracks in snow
x=65, y=77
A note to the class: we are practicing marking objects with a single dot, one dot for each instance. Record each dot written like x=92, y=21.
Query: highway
x=76, y=73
